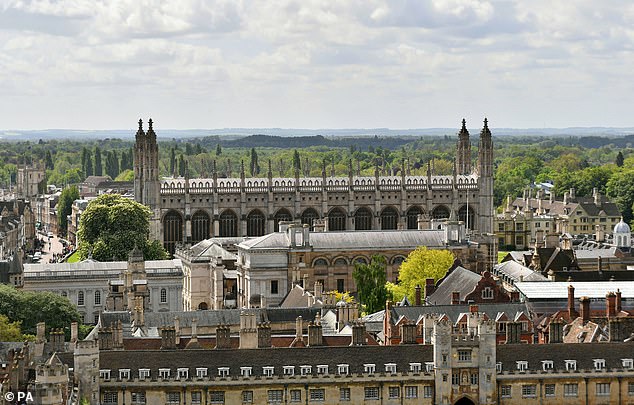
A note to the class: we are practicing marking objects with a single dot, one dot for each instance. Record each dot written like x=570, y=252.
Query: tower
x=146, y=174
x=485, y=180
x=463, y=150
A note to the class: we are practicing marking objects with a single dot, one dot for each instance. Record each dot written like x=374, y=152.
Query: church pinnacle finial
x=140, y=124
x=464, y=124
x=150, y=123
x=486, y=123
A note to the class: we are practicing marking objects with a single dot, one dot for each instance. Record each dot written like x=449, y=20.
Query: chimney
x=618, y=301
x=315, y=334
x=408, y=333
x=610, y=305
x=417, y=295
x=317, y=290
x=555, y=329
x=473, y=308
x=572, y=193
x=299, y=331
x=177, y=330
x=566, y=197
x=430, y=287
x=57, y=340
x=117, y=335
x=248, y=330
x=455, y=298
x=513, y=332
x=572, y=312
x=40, y=337
x=358, y=334
x=515, y=296
x=264, y=335
x=74, y=334
x=193, y=341
x=306, y=235
x=168, y=338
x=105, y=338
x=223, y=337
x=585, y=309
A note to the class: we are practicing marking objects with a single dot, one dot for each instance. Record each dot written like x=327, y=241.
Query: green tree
x=619, y=159
x=297, y=161
x=127, y=175
x=420, y=265
x=88, y=171
x=254, y=166
x=64, y=207
x=48, y=160
x=112, y=164
x=189, y=150
x=98, y=166
x=620, y=189
x=218, y=149
x=181, y=165
x=9, y=331
x=172, y=161
x=111, y=226
x=370, y=282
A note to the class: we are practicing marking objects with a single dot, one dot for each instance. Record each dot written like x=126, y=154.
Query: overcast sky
x=94, y=64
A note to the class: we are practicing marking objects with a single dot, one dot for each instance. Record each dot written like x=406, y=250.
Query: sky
x=95, y=64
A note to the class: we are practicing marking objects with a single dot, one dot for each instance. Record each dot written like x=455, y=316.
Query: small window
x=369, y=368
x=630, y=389
x=138, y=397
x=371, y=392
x=246, y=371
x=428, y=391
x=317, y=394
x=144, y=373
x=164, y=373
x=603, y=389
x=305, y=370
x=394, y=392
x=522, y=366
x=628, y=364
x=104, y=374
x=415, y=367
x=296, y=395
x=487, y=293
x=474, y=379
x=529, y=391
x=217, y=397
x=505, y=391
x=163, y=296
x=599, y=364
x=571, y=390
x=197, y=397
x=223, y=372
x=464, y=355
x=268, y=371
x=341, y=285
x=344, y=394
x=571, y=365
x=80, y=299
x=289, y=370
x=274, y=287
x=322, y=369
x=110, y=397
x=124, y=373
x=201, y=372
x=173, y=397
x=549, y=390
x=342, y=369
x=411, y=391
x=498, y=367
x=390, y=368
x=247, y=397
x=182, y=373
x=429, y=367
x=97, y=297
x=275, y=396
x=547, y=365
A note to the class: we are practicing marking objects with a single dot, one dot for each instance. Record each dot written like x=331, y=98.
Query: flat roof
x=559, y=290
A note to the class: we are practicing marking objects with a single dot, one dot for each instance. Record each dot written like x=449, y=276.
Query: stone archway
x=464, y=401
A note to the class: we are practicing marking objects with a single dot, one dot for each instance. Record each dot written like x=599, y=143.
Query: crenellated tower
x=463, y=150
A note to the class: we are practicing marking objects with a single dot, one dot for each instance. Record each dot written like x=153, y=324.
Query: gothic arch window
x=389, y=218
x=363, y=219
x=468, y=221
x=320, y=262
x=256, y=223
x=440, y=212
x=200, y=226
x=309, y=216
x=281, y=215
x=336, y=220
x=412, y=217
x=228, y=224
x=172, y=230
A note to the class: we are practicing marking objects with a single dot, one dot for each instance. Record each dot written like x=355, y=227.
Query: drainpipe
x=586, y=383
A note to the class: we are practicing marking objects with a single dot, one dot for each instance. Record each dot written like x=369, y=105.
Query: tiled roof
x=516, y=272
x=460, y=280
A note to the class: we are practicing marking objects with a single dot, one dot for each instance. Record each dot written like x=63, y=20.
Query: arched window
x=468, y=221
x=163, y=296
x=80, y=298
x=336, y=220
x=440, y=212
x=200, y=226
x=412, y=217
x=281, y=215
x=320, y=262
x=361, y=260
x=341, y=262
x=398, y=260
x=363, y=219
x=228, y=222
x=389, y=218
x=172, y=231
x=203, y=306
x=97, y=297
x=256, y=223
x=309, y=216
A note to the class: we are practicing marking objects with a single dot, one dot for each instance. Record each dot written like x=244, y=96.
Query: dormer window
x=306, y=370
x=429, y=367
x=322, y=369
x=487, y=293
x=547, y=365
x=268, y=371
x=414, y=367
x=246, y=371
x=144, y=373
x=571, y=365
x=599, y=364
x=522, y=366
x=498, y=367
x=289, y=371
x=390, y=368
x=182, y=373
x=342, y=369
x=201, y=372
x=223, y=372
x=124, y=373
x=164, y=373
x=628, y=364
x=104, y=374
x=369, y=368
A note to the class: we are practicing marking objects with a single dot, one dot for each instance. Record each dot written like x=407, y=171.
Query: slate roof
x=357, y=240
x=617, y=275
x=514, y=271
x=207, y=249
x=93, y=265
x=584, y=354
x=559, y=290
x=454, y=311
x=459, y=279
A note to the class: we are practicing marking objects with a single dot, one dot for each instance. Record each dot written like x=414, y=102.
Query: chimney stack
x=585, y=309
x=168, y=338
x=417, y=296
x=555, y=329
x=515, y=296
x=618, y=301
x=572, y=312
x=264, y=335
x=223, y=337
x=430, y=286
x=358, y=334
x=455, y=298
x=610, y=305
x=315, y=334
